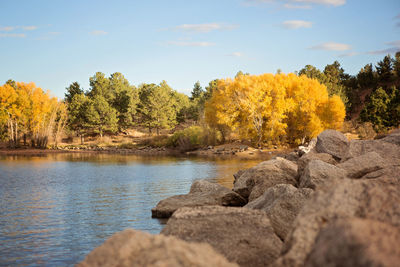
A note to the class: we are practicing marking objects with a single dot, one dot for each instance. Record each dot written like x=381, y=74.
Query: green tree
x=376, y=110
x=384, y=68
x=197, y=91
x=157, y=106
x=77, y=114
x=101, y=117
x=72, y=90
x=396, y=64
x=100, y=86
x=313, y=73
x=125, y=101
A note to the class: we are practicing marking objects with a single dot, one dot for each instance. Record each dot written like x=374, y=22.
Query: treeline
x=372, y=95
x=262, y=108
x=112, y=105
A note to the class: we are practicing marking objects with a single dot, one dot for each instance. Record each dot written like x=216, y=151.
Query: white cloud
x=291, y=6
x=29, y=28
x=394, y=48
x=205, y=27
x=98, y=32
x=7, y=28
x=235, y=54
x=322, y=2
x=13, y=35
x=331, y=46
x=296, y=24
x=12, y=28
x=181, y=43
x=349, y=54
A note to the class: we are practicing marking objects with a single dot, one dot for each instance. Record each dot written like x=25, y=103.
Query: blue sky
x=54, y=43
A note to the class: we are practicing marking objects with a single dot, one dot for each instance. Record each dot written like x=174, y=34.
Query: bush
x=188, y=139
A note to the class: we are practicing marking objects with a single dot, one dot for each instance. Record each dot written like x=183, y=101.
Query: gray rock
x=135, y=248
x=375, y=199
x=388, y=172
x=306, y=149
x=318, y=173
x=393, y=137
x=332, y=142
x=356, y=242
x=282, y=203
x=255, y=181
x=202, y=193
x=359, y=166
x=305, y=159
x=386, y=150
x=243, y=236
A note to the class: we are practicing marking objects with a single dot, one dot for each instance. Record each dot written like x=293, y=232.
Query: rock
x=282, y=203
x=238, y=174
x=356, y=242
x=135, y=248
x=386, y=150
x=305, y=159
x=318, y=173
x=306, y=149
x=292, y=156
x=375, y=199
x=332, y=142
x=388, y=172
x=201, y=193
x=255, y=181
x=243, y=236
x=393, y=137
x=362, y=165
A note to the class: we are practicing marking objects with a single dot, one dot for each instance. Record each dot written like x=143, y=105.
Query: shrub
x=187, y=139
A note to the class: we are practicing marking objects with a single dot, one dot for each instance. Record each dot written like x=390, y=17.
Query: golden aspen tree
x=273, y=108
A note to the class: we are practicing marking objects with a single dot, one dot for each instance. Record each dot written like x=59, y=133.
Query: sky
x=56, y=42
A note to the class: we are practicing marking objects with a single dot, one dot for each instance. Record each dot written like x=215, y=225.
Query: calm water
x=54, y=209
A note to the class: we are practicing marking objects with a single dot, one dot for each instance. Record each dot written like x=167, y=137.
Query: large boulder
x=332, y=142
x=244, y=236
x=392, y=171
x=393, y=137
x=376, y=199
x=202, y=193
x=359, y=166
x=305, y=159
x=355, y=243
x=318, y=173
x=255, y=181
x=135, y=248
x=282, y=203
x=386, y=150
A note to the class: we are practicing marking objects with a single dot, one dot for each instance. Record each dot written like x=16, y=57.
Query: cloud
x=394, y=48
x=29, y=28
x=331, y=46
x=236, y=54
x=349, y=54
x=7, y=28
x=98, y=32
x=297, y=4
x=205, y=27
x=291, y=6
x=12, y=28
x=13, y=35
x=296, y=24
x=181, y=43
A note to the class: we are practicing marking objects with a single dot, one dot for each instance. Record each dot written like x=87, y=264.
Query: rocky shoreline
x=335, y=203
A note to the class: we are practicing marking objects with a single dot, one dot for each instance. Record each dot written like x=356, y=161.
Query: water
x=56, y=208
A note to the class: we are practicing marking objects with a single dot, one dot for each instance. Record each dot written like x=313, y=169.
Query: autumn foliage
x=273, y=108
x=30, y=113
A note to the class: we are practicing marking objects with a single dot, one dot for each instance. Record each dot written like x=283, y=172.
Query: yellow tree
x=273, y=108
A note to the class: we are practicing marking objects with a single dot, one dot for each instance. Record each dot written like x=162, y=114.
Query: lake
x=55, y=208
